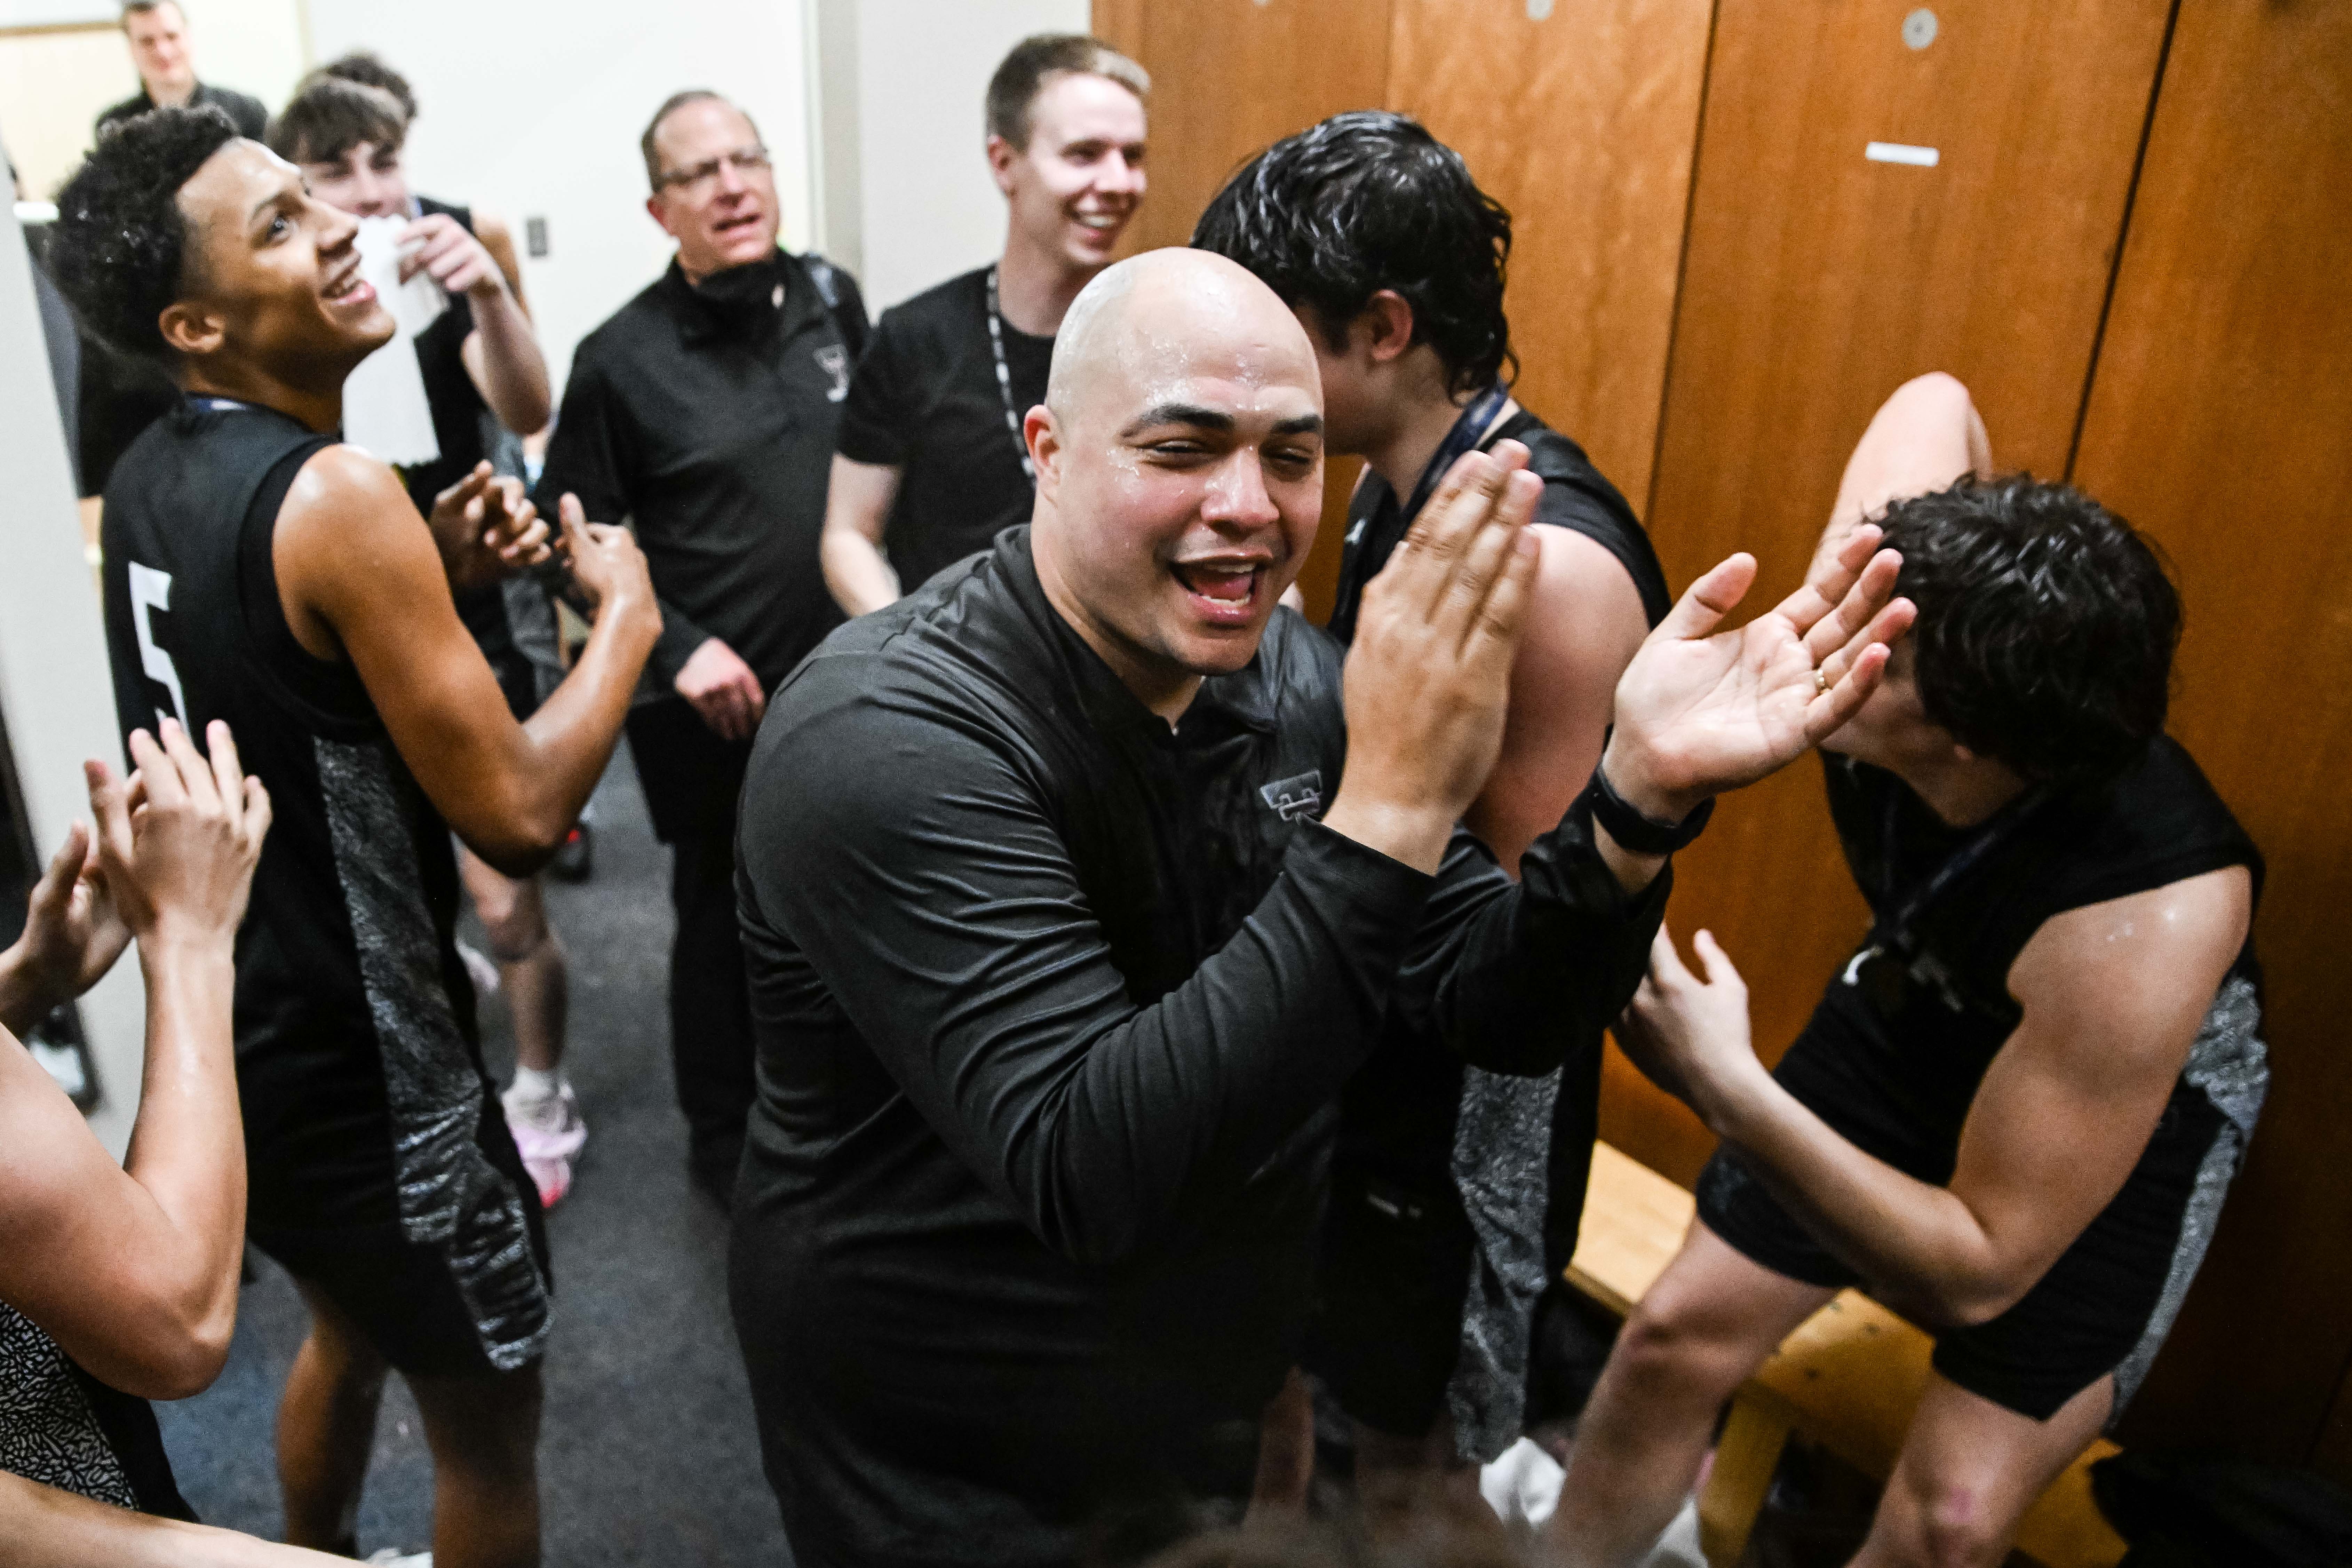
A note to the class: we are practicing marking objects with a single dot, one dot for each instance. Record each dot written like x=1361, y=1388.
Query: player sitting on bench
x=2015, y=1111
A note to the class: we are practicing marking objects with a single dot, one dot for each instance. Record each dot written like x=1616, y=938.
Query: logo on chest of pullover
x=833, y=359
x=1294, y=798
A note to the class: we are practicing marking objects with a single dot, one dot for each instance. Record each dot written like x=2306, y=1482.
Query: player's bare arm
x=1584, y=623
x=2113, y=995
x=856, y=511
x=1925, y=435
x=361, y=580
x=132, y=1269
x=47, y=1528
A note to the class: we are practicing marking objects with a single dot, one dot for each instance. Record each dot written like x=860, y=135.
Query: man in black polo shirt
x=705, y=411
x=1072, y=897
x=932, y=465
x=157, y=32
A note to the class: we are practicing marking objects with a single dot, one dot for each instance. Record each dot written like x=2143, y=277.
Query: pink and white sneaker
x=548, y=1132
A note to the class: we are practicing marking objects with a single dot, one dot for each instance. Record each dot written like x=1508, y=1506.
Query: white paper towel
x=384, y=409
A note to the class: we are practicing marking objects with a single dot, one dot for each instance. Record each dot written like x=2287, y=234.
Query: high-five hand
x=1700, y=711
x=1428, y=677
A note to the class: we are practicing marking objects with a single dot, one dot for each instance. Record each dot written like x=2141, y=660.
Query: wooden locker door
x=1815, y=281
x=2220, y=420
x=1228, y=77
x=1582, y=123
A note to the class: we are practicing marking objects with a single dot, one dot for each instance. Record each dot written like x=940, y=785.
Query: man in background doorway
x=164, y=57
x=706, y=411
x=482, y=371
x=933, y=465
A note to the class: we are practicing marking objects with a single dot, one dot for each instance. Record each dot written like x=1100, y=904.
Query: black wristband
x=1635, y=830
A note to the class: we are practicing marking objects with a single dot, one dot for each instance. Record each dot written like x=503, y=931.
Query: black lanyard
x=1004, y=380
x=1881, y=969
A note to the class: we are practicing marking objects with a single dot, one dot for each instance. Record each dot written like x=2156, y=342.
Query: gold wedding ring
x=1820, y=680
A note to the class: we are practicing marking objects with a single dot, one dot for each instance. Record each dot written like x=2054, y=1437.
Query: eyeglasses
x=697, y=180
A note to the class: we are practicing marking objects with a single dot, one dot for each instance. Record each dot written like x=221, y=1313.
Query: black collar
x=701, y=320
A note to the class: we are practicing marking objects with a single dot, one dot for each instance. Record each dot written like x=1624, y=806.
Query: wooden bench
x=1848, y=1379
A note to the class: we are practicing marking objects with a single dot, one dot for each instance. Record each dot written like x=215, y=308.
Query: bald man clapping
x=1076, y=885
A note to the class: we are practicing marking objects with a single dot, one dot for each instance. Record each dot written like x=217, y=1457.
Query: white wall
x=53, y=83
x=54, y=686
x=534, y=108
x=925, y=209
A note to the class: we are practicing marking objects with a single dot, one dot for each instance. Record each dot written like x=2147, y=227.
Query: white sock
x=532, y=1084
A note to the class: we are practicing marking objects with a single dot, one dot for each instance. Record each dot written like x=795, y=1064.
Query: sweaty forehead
x=1183, y=328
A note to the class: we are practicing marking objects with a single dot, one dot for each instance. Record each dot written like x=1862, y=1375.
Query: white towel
x=384, y=408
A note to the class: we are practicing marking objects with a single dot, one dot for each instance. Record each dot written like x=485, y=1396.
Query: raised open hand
x=179, y=841
x=1700, y=711
x=1428, y=677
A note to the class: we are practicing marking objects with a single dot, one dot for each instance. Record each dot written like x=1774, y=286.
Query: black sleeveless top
x=1576, y=496
x=2157, y=822
x=358, y=1065
x=62, y=1427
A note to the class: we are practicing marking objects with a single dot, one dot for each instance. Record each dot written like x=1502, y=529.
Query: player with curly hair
x=2016, y=1112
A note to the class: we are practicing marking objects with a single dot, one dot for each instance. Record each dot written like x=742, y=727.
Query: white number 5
x=152, y=590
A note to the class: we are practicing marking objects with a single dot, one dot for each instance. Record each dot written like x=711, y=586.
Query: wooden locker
x=1815, y=281
x=2220, y=420
x=1582, y=122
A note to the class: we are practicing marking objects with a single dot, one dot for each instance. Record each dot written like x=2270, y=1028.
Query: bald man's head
x=1179, y=461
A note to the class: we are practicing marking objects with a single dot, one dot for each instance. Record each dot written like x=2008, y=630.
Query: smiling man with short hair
x=931, y=465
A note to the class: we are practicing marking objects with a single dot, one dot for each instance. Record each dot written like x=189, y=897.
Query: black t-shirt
x=705, y=415
x=1051, y=1003
x=246, y=110
x=926, y=400
x=358, y=1067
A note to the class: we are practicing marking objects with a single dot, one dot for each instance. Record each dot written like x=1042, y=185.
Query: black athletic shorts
x=2081, y=1320
x=405, y=1295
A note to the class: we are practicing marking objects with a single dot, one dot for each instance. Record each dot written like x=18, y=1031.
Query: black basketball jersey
x=358, y=1065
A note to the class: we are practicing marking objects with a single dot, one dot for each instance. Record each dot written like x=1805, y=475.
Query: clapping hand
x=487, y=529
x=178, y=843
x=72, y=936
x=1701, y=712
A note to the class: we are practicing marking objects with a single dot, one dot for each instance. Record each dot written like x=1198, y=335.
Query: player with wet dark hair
x=1456, y=1193
x=260, y=571
x=2015, y=1112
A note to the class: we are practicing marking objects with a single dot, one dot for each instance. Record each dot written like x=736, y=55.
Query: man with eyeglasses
x=705, y=411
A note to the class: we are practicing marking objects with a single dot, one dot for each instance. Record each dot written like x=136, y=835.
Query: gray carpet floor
x=648, y=1454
